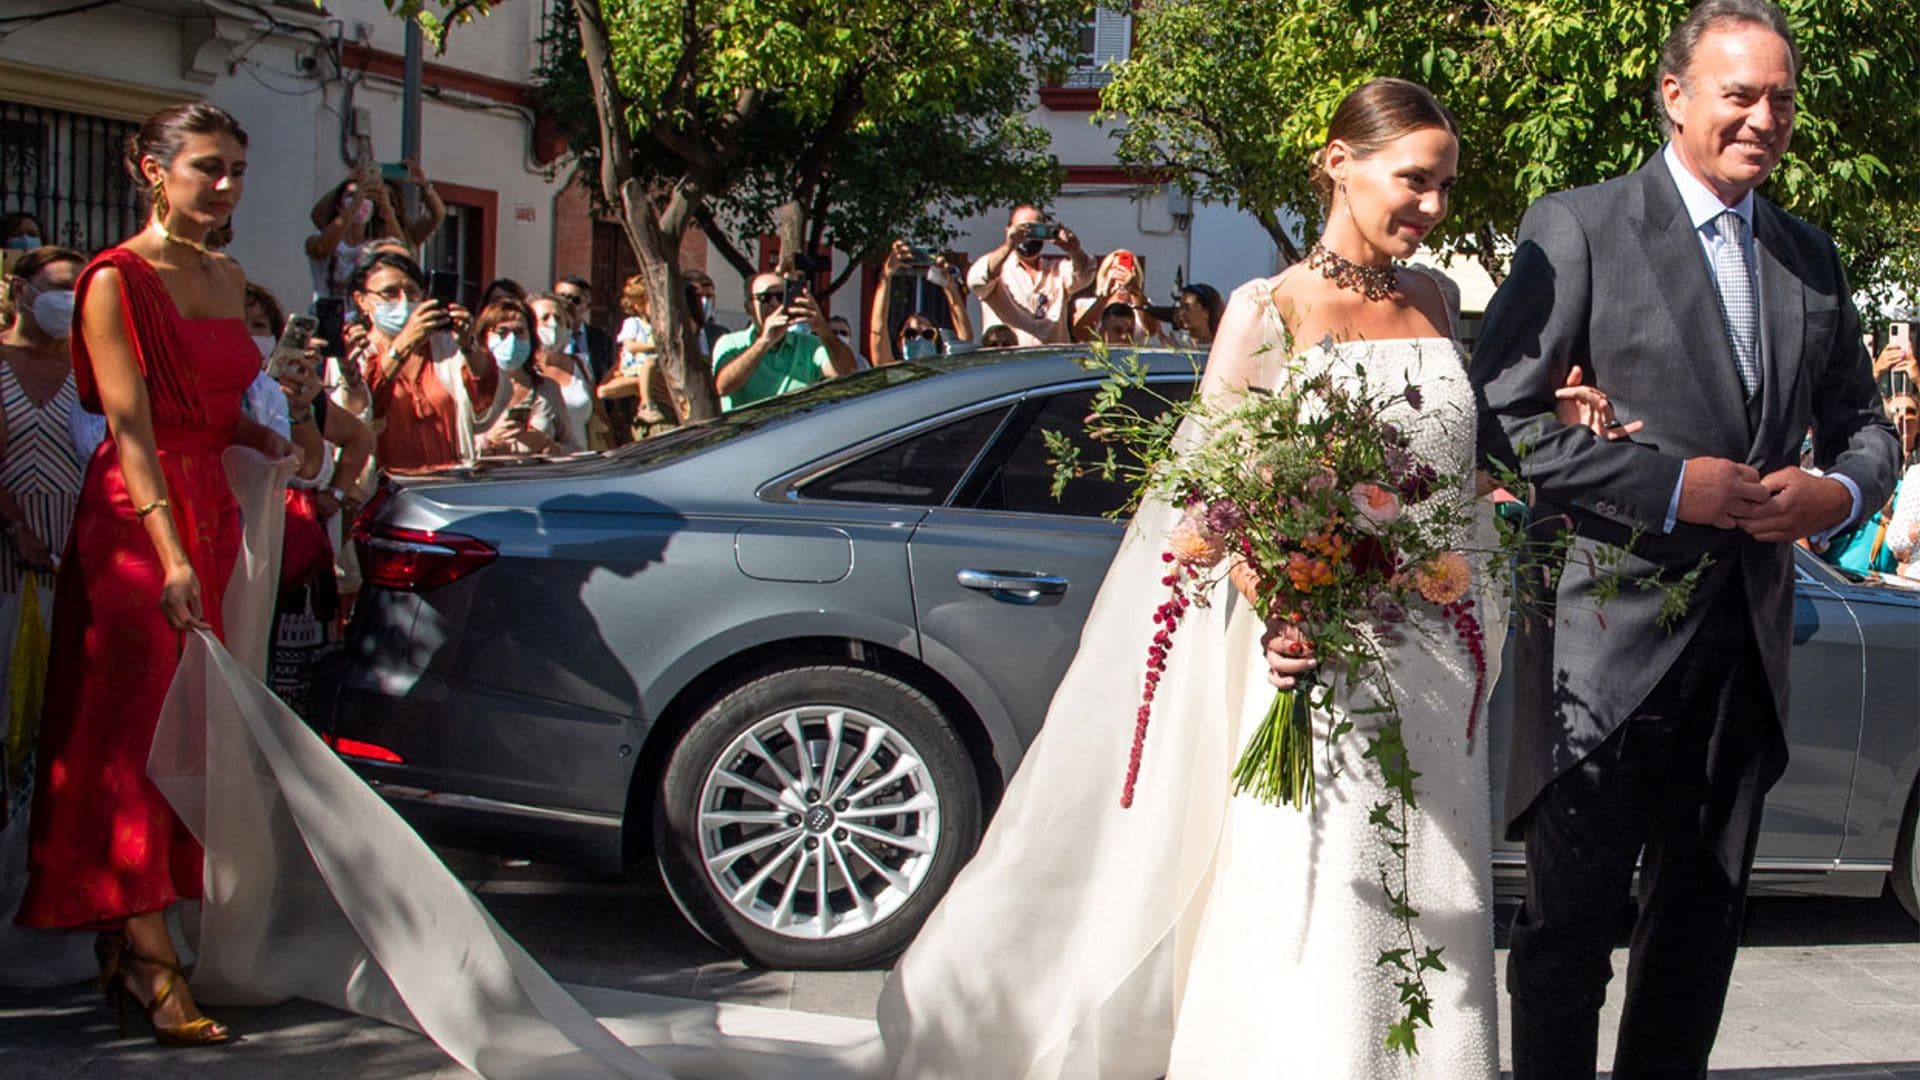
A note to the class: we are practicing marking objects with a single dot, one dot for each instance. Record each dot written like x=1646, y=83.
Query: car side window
x=921, y=470
x=1021, y=481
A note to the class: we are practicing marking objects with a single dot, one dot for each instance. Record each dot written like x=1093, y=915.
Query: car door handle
x=1013, y=586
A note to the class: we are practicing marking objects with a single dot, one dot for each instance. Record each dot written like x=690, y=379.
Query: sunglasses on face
x=924, y=335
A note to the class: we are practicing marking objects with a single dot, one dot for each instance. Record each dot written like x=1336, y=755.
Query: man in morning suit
x=1723, y=324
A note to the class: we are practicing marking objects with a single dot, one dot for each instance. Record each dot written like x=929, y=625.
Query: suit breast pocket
x=1816, y=340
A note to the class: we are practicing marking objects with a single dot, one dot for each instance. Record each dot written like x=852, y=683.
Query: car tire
x=1906, y=858
x=880, y=818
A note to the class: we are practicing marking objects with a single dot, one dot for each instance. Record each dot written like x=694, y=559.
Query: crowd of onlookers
x=385, y=369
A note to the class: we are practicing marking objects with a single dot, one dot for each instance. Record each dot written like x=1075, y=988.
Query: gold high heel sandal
x=114, y=954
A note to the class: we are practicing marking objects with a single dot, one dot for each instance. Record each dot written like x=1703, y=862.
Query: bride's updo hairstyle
x=1373, y=115
x=166, y=131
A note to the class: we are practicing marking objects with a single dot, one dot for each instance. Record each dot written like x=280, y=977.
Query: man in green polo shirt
x=787, y=347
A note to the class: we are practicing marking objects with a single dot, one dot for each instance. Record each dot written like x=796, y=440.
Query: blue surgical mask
x=391, y=315
x=549, y=335
x=53, y=310
x=509, y=351
x=921, y=348
x=24, y=242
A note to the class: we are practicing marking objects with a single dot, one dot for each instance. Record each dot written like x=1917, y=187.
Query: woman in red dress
x=161, y=348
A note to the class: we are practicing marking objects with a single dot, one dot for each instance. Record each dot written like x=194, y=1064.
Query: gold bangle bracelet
x=157, y=504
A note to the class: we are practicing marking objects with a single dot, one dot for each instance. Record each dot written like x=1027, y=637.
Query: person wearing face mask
x=700, y=293
x=40, y=468
x=20, y=232
x=360, y=211
x=918, y=337
x=536, y=419
x=572, y=372
x=1022, y=287
x=428, y=397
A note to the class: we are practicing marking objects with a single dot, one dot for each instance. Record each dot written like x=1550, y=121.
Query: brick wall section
x=572, y=235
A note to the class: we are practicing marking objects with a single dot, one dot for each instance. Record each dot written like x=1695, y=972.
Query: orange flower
x=1445, y=578
x=1193, y=545
x=1308, y=574
x=1329, y=543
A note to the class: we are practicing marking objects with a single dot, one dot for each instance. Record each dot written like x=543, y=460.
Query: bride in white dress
x=1197, y=934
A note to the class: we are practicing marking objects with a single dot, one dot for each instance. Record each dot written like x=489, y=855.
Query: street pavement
x=1826, y=989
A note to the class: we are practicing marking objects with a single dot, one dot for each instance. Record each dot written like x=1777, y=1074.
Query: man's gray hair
x=1676, y=56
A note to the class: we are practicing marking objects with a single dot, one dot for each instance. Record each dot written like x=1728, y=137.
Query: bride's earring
x=1347, y=204
x=158, y=197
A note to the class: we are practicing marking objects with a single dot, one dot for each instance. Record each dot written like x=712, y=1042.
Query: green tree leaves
x=1549, y=94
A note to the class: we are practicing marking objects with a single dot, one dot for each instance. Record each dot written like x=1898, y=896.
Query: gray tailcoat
x=1612, y=278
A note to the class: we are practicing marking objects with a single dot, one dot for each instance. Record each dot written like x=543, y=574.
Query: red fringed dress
x=104, y=842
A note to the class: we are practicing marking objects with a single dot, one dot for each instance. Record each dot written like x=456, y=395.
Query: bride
x=1195, y=934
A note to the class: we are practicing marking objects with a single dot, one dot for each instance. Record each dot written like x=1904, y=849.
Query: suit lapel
x=1673, y=255
x=1782, y=313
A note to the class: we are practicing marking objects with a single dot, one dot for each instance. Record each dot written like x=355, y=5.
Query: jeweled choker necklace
x=161, y=228
x=1372, y=282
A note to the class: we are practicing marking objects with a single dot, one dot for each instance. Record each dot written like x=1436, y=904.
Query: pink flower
x=1377, y=506
x=1193, y=545
x=1445, y=579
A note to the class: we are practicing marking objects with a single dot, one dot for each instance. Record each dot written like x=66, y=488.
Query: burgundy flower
x=1225, y=517
x=1420, y=482
x=1413, y=397
x=1369, y=556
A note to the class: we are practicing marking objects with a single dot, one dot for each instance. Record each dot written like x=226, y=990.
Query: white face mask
x=549, y=334
x=53, y=310
x=265, y=343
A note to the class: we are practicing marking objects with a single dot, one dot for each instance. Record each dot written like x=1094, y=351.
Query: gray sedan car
x=795, y=654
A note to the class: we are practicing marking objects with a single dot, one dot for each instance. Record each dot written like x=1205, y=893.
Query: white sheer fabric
x=1196, y=932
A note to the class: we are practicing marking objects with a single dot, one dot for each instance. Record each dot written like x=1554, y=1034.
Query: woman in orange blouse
x=428, y=397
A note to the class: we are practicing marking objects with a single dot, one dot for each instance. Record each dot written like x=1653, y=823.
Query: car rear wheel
x=1906, y=858
x=811, y=818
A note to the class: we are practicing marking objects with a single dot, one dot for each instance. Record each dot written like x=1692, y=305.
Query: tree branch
x=723, y=243
x=610, y=105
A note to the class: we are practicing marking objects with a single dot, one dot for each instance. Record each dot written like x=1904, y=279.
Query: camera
x=1043, y=230
x=795, y=289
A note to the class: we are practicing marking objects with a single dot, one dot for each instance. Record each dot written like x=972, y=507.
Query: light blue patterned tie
x=1735, y=284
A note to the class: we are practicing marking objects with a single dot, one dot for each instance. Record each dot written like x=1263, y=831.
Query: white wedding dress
x=1195, y=935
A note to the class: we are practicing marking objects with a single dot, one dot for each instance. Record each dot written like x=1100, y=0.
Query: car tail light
x=415, y=559
x=356, y=748
x=363, y=521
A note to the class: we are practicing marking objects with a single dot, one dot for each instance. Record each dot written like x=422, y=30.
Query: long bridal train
x=1075, y=944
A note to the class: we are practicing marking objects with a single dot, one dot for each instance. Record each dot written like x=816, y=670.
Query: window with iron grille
x=65, y=169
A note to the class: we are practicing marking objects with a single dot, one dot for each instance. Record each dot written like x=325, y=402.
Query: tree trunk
x=654, y=226
x=657, y=243
x=792, y=225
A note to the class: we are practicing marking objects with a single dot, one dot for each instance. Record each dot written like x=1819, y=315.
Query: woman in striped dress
x=40, y=473
x=39, y=468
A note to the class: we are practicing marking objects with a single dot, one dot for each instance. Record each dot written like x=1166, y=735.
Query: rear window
x=695, y=437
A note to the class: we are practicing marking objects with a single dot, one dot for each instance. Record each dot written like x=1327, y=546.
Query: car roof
x=730, y=455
